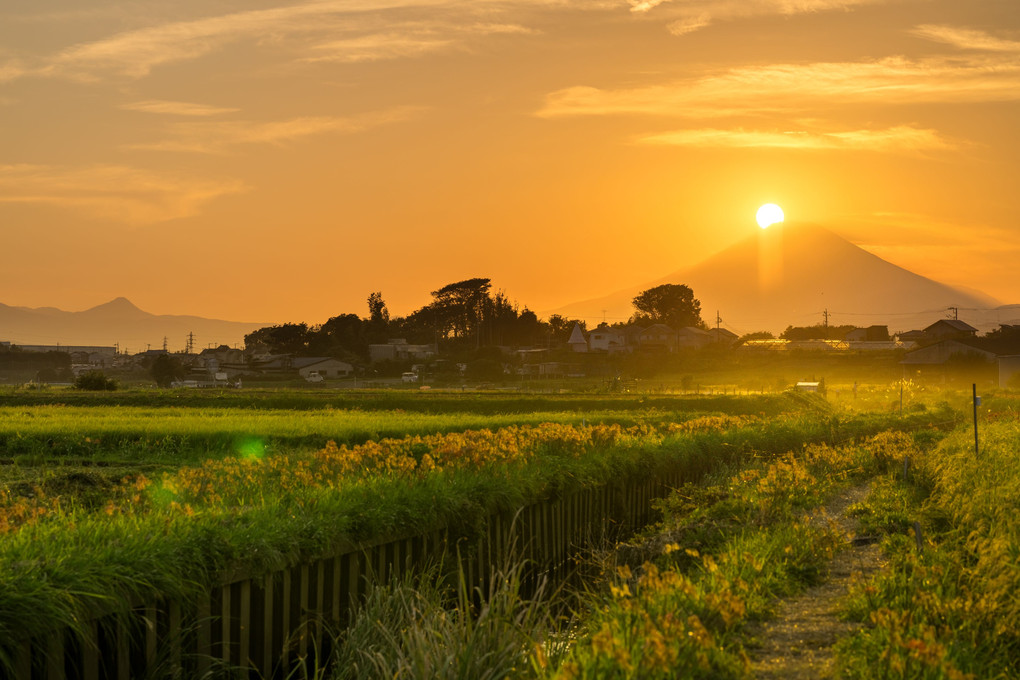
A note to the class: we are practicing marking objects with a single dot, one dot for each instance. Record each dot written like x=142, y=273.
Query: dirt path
x=798, y=643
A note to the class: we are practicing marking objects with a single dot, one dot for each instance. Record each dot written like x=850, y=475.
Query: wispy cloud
x=161, y=106
x=792, y=87
x=689, y=24
x=692, y=15
x=113, y=192
x=307, y=30
x=904, y=138
x=965, y=38
x=217, y=137
x=11, y=70
x=408, y=40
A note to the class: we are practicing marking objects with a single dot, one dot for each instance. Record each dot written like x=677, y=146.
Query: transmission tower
x=190, y=346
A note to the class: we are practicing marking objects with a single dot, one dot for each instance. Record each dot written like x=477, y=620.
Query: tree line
x=462, y=316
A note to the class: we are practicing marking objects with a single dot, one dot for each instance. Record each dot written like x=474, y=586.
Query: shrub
x=95, y=381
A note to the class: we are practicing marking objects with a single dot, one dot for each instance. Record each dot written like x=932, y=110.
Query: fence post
x=268, y=629
x=244, y=643
x=55, y=657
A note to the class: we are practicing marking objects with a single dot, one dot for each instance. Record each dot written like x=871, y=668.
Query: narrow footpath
x=798, y=643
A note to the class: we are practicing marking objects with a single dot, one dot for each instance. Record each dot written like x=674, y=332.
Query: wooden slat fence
x=265, y=624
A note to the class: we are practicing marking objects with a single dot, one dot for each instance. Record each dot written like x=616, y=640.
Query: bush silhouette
x=95, y=381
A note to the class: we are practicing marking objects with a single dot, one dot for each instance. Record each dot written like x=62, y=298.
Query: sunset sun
x=768, y=214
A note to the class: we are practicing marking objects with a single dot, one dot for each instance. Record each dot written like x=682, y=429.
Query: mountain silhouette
x=117, y=322
x=790, y=274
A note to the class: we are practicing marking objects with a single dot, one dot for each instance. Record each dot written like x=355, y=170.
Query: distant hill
x=116, y=322
x=790, y=273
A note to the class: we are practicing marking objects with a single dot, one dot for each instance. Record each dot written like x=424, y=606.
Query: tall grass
x=179, y=534
x=680, y=599
x=422, y=627
x=951, y=609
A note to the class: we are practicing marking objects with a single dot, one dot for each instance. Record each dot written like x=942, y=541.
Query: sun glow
x=768, y=214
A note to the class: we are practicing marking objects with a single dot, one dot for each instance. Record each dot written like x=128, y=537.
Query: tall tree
x=460, y=307
x=671, y=304
x=288, y=338
x=377, y=312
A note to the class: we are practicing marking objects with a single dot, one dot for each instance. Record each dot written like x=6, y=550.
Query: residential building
x=577, y=342
x=690, y=337
x=609, y=339
x=327, y=367
x=949, y=329
x=723, y=337
x=657, y=338
x=398, y=349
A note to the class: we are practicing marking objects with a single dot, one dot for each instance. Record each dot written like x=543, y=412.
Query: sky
x=275, y=161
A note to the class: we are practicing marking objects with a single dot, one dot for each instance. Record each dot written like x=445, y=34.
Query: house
x=608, y=339
x=225, y=359
x=690, y=337
x=657, y=338
x=272, y=363
x=949, y=329
x=723, y=337
x=327, y=367
x=577, y=343
x=914, y=336
x=398, y=349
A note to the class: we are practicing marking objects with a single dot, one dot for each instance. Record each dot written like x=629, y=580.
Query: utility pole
x=956, y=313
x=825, y=315
x=718, y=319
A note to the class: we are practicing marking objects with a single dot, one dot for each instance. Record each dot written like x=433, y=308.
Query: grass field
x=118, y=497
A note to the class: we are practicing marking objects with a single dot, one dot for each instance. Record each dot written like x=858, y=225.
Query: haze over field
x=791, y=273
x=279, y=160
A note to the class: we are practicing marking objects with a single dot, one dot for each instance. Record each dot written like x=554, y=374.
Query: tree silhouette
x=165, y=369
x=671, y=304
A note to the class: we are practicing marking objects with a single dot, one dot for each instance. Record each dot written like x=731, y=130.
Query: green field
x=120, y=497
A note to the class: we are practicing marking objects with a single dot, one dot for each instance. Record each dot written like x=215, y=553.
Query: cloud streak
x=113, y=192
x=409, y=40
x=692, y=15
x=219, y=136
x=966, y=39
x=171, y=108
x=796, y=87
x=369, y=30
x=904, y=138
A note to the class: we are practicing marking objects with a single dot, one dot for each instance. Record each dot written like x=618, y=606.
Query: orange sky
x=278, y=161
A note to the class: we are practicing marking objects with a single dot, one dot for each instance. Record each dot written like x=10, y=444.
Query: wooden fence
x=264, y=625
